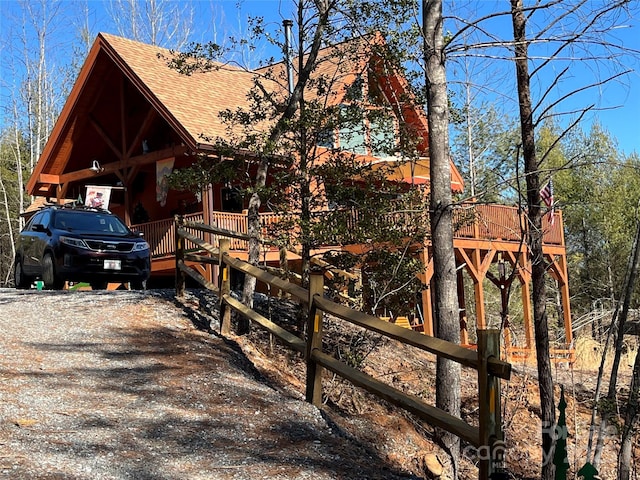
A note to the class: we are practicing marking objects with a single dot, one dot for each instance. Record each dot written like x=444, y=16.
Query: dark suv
x=80, y=244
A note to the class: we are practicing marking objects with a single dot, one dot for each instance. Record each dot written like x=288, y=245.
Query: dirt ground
x=111, y=385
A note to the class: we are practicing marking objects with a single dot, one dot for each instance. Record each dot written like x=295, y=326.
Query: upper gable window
x=352, y=131
x=365, y=124
x=327, y=139
x=382, y=130
x=366, y=132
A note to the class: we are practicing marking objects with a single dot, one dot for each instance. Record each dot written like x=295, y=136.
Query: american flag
x=546, y=194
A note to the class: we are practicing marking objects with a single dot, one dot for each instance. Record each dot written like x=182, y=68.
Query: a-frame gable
x=395, y=86
x=125, y=95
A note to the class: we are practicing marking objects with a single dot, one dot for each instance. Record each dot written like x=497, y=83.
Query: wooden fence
x=487, y=438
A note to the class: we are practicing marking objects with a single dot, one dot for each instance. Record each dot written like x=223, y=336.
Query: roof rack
x=75, y=205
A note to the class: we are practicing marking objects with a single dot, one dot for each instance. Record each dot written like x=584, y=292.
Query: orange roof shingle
x=194, y=101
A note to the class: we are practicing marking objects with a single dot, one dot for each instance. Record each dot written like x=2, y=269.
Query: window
x=326, y=139
x=364, y=130
x=382, y=136
x=370, y=133
x=353, y=138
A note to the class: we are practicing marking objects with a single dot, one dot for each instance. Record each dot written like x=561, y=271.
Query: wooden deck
x=474, y=224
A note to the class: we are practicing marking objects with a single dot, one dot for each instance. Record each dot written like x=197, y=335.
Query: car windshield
x=89, y=223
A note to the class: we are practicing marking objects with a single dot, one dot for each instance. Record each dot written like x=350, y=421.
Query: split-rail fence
x=192, y=247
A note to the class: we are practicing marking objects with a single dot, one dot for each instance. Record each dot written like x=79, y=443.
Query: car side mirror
x=38, y=227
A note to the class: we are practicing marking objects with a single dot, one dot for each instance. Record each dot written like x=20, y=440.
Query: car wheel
x=98, y=285
x=138, y=285
x=49, y=277
x=21, y=280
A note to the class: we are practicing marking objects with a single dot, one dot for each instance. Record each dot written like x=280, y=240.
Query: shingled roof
x=189, y=104
x=194, y=101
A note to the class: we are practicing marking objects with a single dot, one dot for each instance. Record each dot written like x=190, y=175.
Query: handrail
x=471, y=220
x=160, y=234
x=488, y=436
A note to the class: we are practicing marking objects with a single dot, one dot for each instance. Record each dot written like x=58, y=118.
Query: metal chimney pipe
x=287, y=24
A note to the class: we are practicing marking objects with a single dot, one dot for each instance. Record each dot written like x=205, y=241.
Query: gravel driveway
x=121, y=385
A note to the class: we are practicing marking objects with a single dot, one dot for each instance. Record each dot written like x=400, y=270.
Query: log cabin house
x=129, y=116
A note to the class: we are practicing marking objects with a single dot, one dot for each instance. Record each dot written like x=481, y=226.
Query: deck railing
x=471, y=221
x=160, y=235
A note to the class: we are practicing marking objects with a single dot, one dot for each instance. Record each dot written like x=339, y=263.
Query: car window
x=34, y=220
x=45, y=220
x=89, y=223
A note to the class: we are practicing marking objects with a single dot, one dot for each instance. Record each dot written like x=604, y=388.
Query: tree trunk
x=253, y=230
x=630, y=423
x=617, y=327
x=444, y=278
x=538, y=266
x=10, y=230
x=305, y=191
x=631, y=414
x=253, y=213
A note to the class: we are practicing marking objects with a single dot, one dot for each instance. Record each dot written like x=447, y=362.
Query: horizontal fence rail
x=487, y=437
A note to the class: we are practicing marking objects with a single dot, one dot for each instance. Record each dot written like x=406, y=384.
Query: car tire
x=138, y=285
x=49, y=276
x=98, y=285
x=21, y=280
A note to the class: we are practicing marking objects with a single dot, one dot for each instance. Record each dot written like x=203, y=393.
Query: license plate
x=112, y=265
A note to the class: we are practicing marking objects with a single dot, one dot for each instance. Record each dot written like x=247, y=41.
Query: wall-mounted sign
x=163, y=169
x=98, y=196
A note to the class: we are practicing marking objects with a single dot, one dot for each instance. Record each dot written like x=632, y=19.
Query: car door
x=26, y=243
x=38, y=238
x=42, y=236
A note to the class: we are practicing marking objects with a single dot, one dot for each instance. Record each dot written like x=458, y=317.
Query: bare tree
x=632, y=412
x=538, y=267
x=9, y=223
x=39, y=94
x=157, y=22
x=37, y=79
x=37, y=89
x=444, y=278
x=566, y=35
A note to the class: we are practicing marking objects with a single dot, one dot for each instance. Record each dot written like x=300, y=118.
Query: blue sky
x=619, y=100
x=616, y=104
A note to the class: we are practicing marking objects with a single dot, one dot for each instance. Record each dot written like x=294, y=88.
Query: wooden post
x=314, y=339
x=427, y=310
x=491, y=449
x=207, y=219
x=464, y=332
x=224, y=283
x=179, y=242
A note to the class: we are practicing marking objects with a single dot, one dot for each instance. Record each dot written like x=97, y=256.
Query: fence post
x=491, y=449
x=314, y=339
x=224, y=283
x=179, y=242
